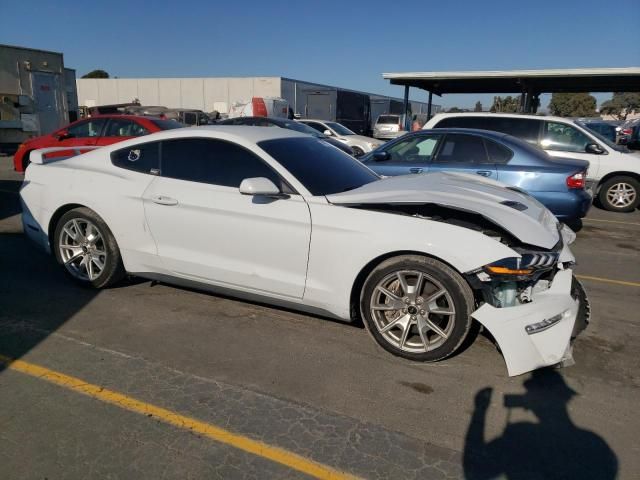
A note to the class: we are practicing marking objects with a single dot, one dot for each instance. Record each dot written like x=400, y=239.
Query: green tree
x=507, y=104
x=478, y=107
x=96, y=74
x=573, y=105
x=621, y=104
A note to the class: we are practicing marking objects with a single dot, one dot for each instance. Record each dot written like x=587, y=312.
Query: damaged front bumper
x=539, y=333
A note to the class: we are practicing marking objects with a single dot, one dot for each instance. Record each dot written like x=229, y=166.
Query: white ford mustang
x=273, y=215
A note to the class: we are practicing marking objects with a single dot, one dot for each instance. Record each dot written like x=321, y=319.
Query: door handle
x=484, y=173
x=415, y=170
x=162, y=200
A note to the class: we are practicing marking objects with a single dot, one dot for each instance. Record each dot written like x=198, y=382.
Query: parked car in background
x=627, y=131
x=276, y=216
x=605, y=129
x=614, y=173
x=288, y=124
x=147, y=110
x=388, y=127
x=633, y=139
x=558, y=184
x=97, y=130
x=188, y=116
x=358, y=143
x=113, y=109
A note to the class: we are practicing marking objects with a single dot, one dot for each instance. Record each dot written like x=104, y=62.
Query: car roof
x=230, y=132
x=507, y=115
x=315, y=120
x=477, y=131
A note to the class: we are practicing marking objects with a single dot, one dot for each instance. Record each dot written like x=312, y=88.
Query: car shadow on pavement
x=9, y=200
x=551, y=448
x=36, y=296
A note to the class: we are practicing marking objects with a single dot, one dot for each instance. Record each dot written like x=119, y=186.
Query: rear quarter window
x=143, y=158
x=497, y=153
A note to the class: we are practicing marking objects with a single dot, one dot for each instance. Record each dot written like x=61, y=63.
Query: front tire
x=417, y=308
x=620, y=194
x=86, y=248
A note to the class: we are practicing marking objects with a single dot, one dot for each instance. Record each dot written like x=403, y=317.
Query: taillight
x=577, y=180
x=400, y=126
x=626, y=131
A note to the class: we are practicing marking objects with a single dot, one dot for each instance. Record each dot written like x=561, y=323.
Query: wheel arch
x=356, y=288
x=611, y=175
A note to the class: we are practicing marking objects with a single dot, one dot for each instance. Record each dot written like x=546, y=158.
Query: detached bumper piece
x=539, y=333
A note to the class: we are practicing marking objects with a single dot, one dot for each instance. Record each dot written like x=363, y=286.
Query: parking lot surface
x=148, y=380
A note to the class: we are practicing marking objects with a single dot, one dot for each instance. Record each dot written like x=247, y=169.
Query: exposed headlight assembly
x=527, y=264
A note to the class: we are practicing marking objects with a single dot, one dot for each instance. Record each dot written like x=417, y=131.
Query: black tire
x=113, y=270
x=603, y=194
x=584, y=310
x=26, y=160
x=357, y=151
x=455, y=285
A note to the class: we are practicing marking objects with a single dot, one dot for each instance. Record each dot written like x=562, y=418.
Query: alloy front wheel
x=417, y=307
x=413, y=311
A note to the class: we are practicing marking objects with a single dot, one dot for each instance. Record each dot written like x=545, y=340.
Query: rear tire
x=425, y=314
x=620, y=194
x=87, y=249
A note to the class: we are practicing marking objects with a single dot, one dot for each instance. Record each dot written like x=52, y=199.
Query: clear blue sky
x=344, y=43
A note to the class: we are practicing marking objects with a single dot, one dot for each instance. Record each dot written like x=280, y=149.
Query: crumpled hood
x=534, y=225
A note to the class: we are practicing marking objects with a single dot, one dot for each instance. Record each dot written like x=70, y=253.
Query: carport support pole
x=429, y=106
x=407, y=125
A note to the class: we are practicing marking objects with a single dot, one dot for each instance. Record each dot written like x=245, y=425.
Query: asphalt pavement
x=217, y=376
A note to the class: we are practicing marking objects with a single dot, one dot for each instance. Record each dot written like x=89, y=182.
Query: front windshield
x=609, y=143
x=340, y=129
x=322, y=168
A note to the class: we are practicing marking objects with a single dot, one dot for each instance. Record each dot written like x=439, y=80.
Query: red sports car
x=99, y=130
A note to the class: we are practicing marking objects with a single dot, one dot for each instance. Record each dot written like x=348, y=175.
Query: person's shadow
x=552, y=448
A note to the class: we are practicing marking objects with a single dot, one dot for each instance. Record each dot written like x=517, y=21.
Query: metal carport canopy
x=625, y=79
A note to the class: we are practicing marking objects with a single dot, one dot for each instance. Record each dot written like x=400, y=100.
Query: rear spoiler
x=38, y=156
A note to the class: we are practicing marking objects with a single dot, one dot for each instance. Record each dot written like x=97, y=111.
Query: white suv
x=614, y=172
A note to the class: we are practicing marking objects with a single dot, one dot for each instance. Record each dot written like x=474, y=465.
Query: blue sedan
x=557, y=183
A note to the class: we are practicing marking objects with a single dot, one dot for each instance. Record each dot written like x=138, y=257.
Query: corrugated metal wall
x=206, y=94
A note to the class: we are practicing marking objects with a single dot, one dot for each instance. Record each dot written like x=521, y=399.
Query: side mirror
x=594, y=148
x=381, y=156
x=259, y=186
x=328, y=133
x=64, y=134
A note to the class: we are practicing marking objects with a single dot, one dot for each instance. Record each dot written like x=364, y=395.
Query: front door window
x=563, y=137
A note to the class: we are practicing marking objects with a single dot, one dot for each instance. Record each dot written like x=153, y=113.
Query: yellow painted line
x=610, y=221
x=255, y=447
x=608, y=280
